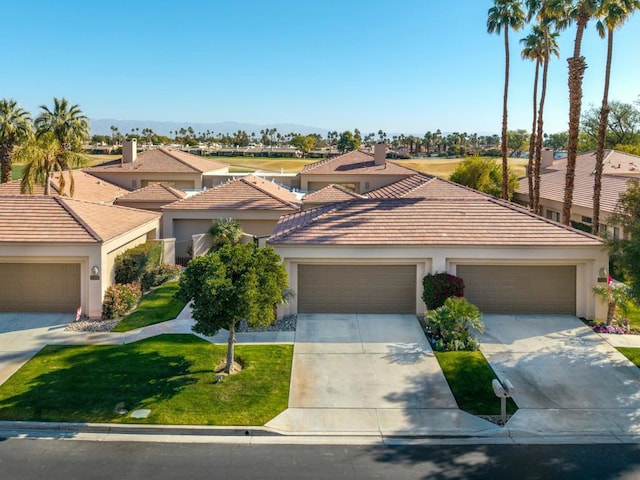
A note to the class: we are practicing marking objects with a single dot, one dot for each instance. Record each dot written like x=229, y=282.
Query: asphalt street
x=54, y=459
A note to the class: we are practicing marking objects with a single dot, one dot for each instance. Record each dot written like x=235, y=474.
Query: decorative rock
x=142, y=413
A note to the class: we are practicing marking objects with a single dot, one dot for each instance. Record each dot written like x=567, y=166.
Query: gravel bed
x=92, y=325
x=286, y=324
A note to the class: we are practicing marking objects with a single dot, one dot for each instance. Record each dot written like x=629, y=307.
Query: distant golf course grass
x=172, y=375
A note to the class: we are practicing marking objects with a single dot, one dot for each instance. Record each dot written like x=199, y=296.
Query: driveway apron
x=565, y=375
x=366, y=373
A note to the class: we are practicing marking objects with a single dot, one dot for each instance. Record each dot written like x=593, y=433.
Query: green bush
x=440, y=286
x=159, y=275
x=131, y=266
x=119, y=299
x=449, y=325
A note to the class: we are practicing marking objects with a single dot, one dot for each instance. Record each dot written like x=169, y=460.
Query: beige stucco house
x=152, y=197
x=356, y=170
x=618, y=168
x=255, y=203
x=159, y=165
x=57, y=253
x=370, y=255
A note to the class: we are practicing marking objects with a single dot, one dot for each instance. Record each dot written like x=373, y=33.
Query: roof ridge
x=63, y=202
x=321, y=210
x=257, y=187
x=169, y=151
x=324, y=161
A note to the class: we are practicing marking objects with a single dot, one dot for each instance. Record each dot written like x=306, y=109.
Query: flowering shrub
x=619, y=327
x=119, y=299
x=437, y=288
x=448, y=325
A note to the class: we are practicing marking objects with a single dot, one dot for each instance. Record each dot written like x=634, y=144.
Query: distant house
x=618, y=168
x=159, y=165
x=356, y=170
x=255, y=203
x=152, y=197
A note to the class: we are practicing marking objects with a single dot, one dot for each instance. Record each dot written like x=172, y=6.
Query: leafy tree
x=305, y=143
x=15, y=127
x=556, y=141
x=67, y=122
x=347, y=142
x=625, y=252
x=234, y=283
x=518, y=141
x=483, y=174
x=613, y=13
x=505, y=14
x=225, y=231
x=44, y=155
x=623, y=126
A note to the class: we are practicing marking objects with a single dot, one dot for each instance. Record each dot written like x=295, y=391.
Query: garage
x=520, y=288
x=356, y=288
x=39, y=287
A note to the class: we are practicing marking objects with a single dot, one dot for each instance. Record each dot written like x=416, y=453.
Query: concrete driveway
x=367, y=373
x=567, y=378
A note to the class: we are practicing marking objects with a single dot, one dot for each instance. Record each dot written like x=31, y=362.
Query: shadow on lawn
x=87, y=384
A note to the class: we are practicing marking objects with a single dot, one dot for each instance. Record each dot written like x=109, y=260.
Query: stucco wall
x=136, y=180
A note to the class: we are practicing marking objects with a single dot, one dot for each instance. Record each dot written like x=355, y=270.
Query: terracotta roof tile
x=87, y=187
x=246, y=193
x=156, y=192
x=163, y=160
x=355, y=162
x=331, y=194
x=56, y=219
x=424, y=186
x=483, y=220
x=615, y=163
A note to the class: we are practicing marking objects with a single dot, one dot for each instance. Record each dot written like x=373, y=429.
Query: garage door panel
x=38, y=287
x=520, y=289
x=356, y=288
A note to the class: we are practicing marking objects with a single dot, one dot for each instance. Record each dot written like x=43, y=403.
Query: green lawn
x=157, y=306
x=632, y=354
x=172, y=375
x=634, y=317
x=444, y=167
x=469, y=376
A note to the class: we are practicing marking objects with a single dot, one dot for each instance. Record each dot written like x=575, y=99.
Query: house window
x=616, y=233
x=134, y=184
x=555, y=216
x=587, y=220
x=366, y=186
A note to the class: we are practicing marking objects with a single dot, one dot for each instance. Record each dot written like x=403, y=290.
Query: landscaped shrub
x=440, y=286
x=448, y=325
x=119, y=299
x=159, y=275
x=130, y=266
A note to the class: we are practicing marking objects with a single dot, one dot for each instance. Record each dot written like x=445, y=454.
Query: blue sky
x=406, y=66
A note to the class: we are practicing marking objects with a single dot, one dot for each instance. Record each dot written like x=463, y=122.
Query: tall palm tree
x=569, y=12
x=43, y=155
x=15, y=127
x=66, y=122
x=612, y=13
x=503, y=15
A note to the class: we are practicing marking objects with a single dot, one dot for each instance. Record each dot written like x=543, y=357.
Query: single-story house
x=370, y=255
x=158, y=165
x=357, y=170
x=57, y=253
x=86, y=187
x=255, y=203
x=618, y=168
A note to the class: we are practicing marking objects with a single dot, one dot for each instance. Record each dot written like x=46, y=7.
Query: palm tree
x=15, y=127
x=225, y=231
x=43, y=155
x=613, y=13
x=568, y=12
x=66, y=122
x=503, y=15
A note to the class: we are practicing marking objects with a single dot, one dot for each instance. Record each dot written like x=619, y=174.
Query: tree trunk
x=228, y=368
x=5, y=164
x=577, y=66
x=505, y=164
x=539, y=137
x=532, y=138
x=602, y=133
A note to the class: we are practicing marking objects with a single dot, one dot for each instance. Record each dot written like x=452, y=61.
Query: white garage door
x=39, y=287
x=356, y=288
x=520, y=289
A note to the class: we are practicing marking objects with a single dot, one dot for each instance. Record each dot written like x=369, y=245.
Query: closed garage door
x=38, y=287
x=357, y=288
x=520, y=289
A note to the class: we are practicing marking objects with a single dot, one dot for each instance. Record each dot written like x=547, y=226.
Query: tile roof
x=87, y=187
x=480, y=221
x=163, y=160
x=246, y=193
x=156, y=192
x=424, y=186
x=331, y=194
x=615, y=163
x=552, y=188
x=56, y=219
x=355, y=162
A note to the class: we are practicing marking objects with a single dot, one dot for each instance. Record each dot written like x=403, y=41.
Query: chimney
x=130, y=150
x=380, y=154
x=546, y=159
